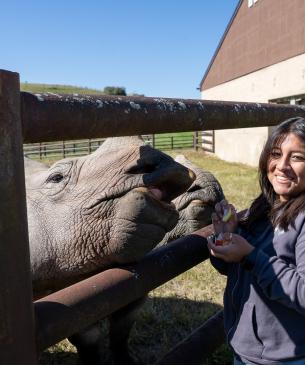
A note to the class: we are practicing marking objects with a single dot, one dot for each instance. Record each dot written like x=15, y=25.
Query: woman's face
x=286, y=167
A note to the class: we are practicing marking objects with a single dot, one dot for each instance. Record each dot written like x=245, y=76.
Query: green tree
x=114, y=90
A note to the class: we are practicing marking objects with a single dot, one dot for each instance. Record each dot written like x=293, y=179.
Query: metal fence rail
x=84, y=303
x=17, y=342
x=62, y=117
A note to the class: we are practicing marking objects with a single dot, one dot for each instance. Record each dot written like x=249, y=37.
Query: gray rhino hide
x=89, y=213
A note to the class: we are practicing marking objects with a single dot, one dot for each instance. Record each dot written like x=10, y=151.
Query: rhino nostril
x=142, y=168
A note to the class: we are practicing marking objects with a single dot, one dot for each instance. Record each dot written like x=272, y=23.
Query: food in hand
x=227, y=214
x=220, y=240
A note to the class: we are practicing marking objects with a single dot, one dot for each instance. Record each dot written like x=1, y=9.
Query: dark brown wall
x=267, y=33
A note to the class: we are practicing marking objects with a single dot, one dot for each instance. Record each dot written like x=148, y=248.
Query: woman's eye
x=298, y=157
x=275, y=154
x=55, y=178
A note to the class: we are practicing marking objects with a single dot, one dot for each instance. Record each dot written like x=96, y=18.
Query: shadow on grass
x=162, y=323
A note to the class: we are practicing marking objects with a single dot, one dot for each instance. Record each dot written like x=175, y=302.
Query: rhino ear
x=118, y=143
x=181, y=159
x=32, y=166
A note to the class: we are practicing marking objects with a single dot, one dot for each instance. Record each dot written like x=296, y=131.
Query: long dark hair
x=267, y=204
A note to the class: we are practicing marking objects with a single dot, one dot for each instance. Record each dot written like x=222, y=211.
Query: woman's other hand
x=232, y=252
x=225, y=218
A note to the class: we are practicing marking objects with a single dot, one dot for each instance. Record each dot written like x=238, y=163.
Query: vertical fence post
x=196, y=137
x=17, y=344
x=213, y=141
x=40, y=151
x=63, y=149
x=89, y=146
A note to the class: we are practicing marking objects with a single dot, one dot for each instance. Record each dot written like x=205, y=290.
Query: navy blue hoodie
x=264, y=308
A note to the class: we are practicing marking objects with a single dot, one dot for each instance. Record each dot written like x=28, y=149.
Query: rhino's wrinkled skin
x=196, y=205
x=89, y=213
x=111, y=207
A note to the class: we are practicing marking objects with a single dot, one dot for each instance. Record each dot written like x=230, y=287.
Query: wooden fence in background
x=62, y=149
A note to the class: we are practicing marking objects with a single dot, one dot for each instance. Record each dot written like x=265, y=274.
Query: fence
x=26, y=118
x=83, y=147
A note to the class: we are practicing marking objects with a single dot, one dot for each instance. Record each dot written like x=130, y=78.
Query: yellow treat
x=227, y=214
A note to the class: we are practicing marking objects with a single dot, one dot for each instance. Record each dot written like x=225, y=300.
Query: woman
x=264, y=300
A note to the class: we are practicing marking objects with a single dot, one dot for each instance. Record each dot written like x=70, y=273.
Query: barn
x=260, y=58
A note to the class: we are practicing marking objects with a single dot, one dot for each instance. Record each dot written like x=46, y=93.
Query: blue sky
x=157, y=48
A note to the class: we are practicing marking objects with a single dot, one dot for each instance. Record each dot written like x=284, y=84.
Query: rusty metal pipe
x=67, y=311
x=199, y=345
x=17, y=344
x=49, y=117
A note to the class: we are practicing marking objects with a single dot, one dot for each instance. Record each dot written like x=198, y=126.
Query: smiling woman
x=264, y=302
x=286, y=171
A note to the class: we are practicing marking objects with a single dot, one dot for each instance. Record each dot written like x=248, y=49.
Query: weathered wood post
x=17, y=344
x=89, y=146
x=63, y=148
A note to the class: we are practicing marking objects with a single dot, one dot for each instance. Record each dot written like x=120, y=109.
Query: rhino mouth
x=155, y=193
x=196, y=200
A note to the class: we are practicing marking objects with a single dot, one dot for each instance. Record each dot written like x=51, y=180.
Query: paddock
x=26, y=327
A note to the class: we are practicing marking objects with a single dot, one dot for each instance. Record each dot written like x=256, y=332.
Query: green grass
x=176, y=134
x=239, y=182
x=175, y=309
x=167, y=141
x=64, y=89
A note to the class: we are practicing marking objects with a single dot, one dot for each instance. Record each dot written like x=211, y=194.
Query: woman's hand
x=232, y=252
x=225, y=218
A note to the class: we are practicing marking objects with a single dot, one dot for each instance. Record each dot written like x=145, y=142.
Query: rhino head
x=111, y=207
x=196, y=205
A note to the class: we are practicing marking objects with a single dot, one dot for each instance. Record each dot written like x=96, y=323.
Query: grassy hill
x=66, y=89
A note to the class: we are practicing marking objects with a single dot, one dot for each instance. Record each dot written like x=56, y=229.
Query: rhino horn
x=117, y=143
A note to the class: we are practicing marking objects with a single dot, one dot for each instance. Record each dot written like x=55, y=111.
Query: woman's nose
x=283, y=163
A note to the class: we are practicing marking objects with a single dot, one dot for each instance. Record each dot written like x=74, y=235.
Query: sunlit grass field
x=65, y=89
x=175, y=309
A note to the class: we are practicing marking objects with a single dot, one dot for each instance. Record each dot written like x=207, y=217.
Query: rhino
x=111, y=207
x=91, y=213
x=197, y=203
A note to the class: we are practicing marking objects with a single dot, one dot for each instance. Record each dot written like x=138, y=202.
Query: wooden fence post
x=89, y=146
x=196, y=135
x=17, y=344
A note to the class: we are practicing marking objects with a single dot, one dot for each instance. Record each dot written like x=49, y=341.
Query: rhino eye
x=55, y=178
